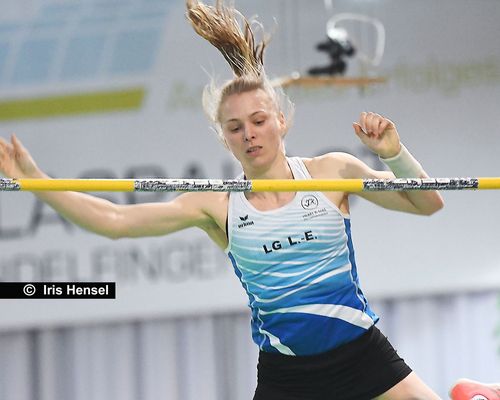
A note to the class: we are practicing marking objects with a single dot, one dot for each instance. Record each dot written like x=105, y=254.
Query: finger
x=358, y=130
x=362, y=121
x=391, y=123
x=369, y=122
x=18, y=148
x=5, y=147
x=376, y=121
x=377, y=124
x=384, y=124
x=16, y=143
x=4, y=155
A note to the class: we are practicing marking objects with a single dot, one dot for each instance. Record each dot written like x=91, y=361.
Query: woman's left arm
x=380, y=135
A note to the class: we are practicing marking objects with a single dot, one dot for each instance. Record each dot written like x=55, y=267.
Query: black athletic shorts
x=359, y=370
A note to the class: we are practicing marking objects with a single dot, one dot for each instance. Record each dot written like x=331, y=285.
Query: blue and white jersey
x=297, y=266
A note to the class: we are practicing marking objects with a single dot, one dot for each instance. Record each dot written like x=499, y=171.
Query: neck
x=279, y=169
x=269, y=200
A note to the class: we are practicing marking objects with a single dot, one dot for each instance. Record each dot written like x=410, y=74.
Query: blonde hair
x=234, y=36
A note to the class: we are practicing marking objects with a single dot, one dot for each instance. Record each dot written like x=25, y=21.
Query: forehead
x=240, y=105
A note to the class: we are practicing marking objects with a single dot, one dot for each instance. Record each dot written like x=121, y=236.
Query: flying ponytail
x=232, y=34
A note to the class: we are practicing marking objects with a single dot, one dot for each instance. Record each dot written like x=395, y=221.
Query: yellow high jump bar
x=256, y=185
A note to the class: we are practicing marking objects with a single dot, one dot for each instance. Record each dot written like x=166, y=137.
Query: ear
x=282, y=123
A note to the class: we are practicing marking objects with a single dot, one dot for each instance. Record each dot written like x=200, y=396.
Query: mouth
x=253, y=149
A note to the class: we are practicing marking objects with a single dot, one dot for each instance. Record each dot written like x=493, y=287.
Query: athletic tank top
x=297, y=266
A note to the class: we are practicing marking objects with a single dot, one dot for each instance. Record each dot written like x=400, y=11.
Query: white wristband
x=404, y=165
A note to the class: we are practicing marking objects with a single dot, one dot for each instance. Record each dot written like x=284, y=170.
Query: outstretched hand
x=16, y=161
x=378, y=133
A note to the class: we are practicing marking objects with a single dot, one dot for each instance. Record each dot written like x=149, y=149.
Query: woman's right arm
x=102, y=216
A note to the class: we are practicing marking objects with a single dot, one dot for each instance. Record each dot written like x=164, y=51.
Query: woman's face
x=253, y=128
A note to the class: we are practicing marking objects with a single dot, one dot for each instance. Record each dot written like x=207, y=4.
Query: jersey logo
x=309, y=202
x=245, y=222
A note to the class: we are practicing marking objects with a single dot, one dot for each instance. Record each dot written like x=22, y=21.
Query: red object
x=471, y=390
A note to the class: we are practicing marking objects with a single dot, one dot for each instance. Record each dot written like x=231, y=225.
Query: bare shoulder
x=336, y=165
x=211, y=206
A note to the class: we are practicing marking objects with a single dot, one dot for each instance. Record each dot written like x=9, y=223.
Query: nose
x=248, y=134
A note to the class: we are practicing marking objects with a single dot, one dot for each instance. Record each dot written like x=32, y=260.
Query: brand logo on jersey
x=309, y=202
x=245, y=222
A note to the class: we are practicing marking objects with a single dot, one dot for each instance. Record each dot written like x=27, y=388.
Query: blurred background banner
x=111, y=89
